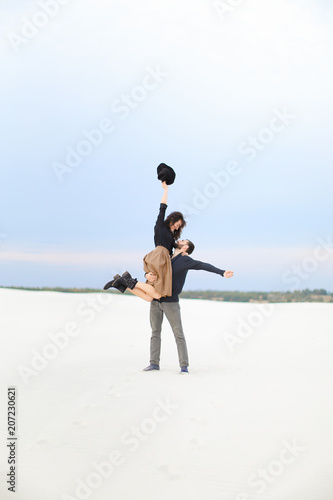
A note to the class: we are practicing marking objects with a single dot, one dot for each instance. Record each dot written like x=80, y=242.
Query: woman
x=166, y=232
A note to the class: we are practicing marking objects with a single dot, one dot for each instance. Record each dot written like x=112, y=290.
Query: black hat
x=166, y=173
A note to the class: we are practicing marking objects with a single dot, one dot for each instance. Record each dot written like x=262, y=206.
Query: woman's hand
x=151, y=277
x=228, y=274
x=164, y=185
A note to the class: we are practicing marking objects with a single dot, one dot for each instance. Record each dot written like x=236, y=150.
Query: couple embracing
x=165, y=269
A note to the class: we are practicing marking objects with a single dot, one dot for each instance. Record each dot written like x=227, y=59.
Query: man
x=181, y=264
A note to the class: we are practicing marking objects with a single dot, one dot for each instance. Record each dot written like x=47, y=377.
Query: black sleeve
x=202, y=266
x=161, y=215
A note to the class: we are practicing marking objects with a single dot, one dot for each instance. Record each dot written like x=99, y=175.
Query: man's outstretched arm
x=204, y=266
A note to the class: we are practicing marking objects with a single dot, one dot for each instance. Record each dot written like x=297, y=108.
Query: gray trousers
x=172, y=313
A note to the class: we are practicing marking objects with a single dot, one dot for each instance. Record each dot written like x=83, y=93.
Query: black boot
x=120, y=284
x=130, y=282
x=110, y=283
x=117, y=282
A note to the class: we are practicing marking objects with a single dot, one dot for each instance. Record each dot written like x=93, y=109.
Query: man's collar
x=177, y=256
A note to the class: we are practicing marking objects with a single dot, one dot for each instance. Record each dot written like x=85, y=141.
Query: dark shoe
x=117, y=283
x=120, y=284
x=183, y=369
x=151, y=367
x=130, y=282
x=110, y=283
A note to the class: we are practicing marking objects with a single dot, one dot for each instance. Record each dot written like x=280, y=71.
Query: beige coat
x=158, y=261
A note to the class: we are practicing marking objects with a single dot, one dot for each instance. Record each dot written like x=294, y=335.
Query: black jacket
x=162, y=234
x=181, y=264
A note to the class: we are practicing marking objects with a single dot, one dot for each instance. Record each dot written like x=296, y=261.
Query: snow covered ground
x=253, y=420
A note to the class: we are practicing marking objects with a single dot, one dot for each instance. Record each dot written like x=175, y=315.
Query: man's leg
x=156, y=318
x=172, y=312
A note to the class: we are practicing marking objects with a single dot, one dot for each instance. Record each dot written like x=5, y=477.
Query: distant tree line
x=316, y=295
x=307, y=295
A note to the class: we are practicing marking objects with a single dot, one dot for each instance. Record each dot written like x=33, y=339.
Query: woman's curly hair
x=171, y=219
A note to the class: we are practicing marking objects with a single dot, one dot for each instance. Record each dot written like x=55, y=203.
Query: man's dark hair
x=191, y=247
x=171, y=219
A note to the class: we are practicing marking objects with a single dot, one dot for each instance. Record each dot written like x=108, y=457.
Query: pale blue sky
x=202, y=85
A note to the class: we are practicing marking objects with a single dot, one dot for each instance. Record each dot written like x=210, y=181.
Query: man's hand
x=164, y=185
x=228, y=274
x=151, y=277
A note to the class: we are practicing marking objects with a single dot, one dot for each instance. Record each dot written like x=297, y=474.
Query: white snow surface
x=252, y=420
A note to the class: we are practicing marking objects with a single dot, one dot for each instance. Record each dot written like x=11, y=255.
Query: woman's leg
x=140, y=293
x=148, y=289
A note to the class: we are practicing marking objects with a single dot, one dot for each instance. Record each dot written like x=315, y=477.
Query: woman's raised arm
x=165, y=194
